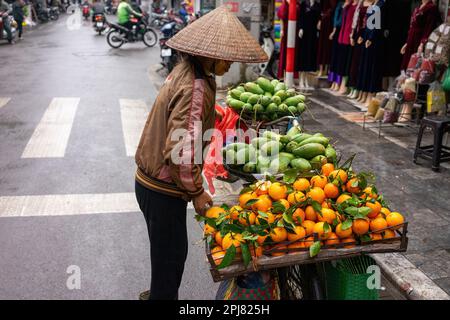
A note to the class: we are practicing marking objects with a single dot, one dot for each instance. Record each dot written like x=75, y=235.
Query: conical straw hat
x=220, y=35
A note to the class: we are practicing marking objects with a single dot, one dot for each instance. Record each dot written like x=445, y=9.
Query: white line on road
x=50, y=138
x=134, y=114
x=4, y=101
x=68, y=204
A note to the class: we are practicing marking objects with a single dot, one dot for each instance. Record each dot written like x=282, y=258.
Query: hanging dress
x=360, y=16
x=337, y=22
x=423, y=21
x=345, y=51
x=326, y=27
x=306, y=51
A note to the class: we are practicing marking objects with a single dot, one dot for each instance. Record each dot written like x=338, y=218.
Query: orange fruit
x=301, y=184
x=261, y=240
x=388, y=234
x=309, y=227
x=251, y=216
x=328, y=215
x=308, y=242
x=349, y=240
x=360, y=226
x=262, y=187
x=331, y=191
x=207, y=229
x=394, y=219
x=245, y=197
x=295, y=245
x=368, y=192
x=285, y=203
x=342, y=198
x=350, y=188
x=279, y=234
x=378, y=224
x=218, y=238
x=332, y=239
x=232, y=239
x=270, y=218
x=299, y=216
x=376, y=208
x=310, y=213
x=255, y=251
x=319, y=181
x=277, y=191
x=295, y=197
x=343, y=233
x=327, y=205
x=376, y=236
x=217, y=254
x=319, y=229
x=278, y=254
x=385, y=212
x=234, y=212
x=214, y=212
x=317, y=194
x=338, y=173
x=327, y=168
x=299, y=233
x=263, y=204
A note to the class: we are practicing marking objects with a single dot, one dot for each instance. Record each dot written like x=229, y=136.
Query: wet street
x=71, y=113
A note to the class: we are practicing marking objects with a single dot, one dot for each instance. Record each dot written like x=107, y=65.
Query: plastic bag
x=435, y=98
x=427, y=71
x=391, y=112
x=254, y=286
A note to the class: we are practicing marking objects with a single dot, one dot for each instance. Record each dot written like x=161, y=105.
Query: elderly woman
x=169, y=171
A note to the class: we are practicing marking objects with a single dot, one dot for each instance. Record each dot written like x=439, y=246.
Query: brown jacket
x=185, y=101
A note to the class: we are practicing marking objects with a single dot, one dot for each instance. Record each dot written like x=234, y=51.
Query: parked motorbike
x=140, y=31
x=100, y=23
x=54, y=13
x=169, y=56
x=12, y=23
x=86, y=11
x=159, y=18
x=268, y=45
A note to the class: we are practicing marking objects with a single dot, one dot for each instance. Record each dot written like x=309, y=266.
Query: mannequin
x=357, y=29
x=333, y=77
x=345, y=54
x=424, y=20
x=306, y=58
x=325, y=27
x=370, y=72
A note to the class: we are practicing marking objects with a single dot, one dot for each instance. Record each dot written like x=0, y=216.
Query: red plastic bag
x=225, y=129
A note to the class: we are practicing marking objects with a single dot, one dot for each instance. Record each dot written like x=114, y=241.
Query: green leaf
x=348, y=163
x=225, y=207
x=364, y=211
x=314, y=249
x=289, y=189
x=278, y=207
x=351, y=211
x=245, y=190
x=280, y=223
x=233, y=228
x=263, y=214
x=211, y=222
x=246, y=255
x=221, y=218
x=251, y=202
x=326, y=227
x=355, y=183
x=317, y=207
x=365, y=238
x=288, y=219
x=335, y=222
x=199, y=218
x=347, y=224
x=290, y=175
x=230, y=254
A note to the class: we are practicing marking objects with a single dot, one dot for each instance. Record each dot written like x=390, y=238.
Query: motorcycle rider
x=123, y=14
x=98, y=8
x=5, y=10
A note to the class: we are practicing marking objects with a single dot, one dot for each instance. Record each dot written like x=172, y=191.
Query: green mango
x=254, y=99
x=291, y=146
x=286, y=155
x=290, y=92
x=330, y=153
x=265, y=101
x=318, y=161
x=268, y=94
x=265, y=84
x=280, y=86
x=300, y=137
x=294, y=101
x=270, y=148
x=249, y=167
x=301, y=107
x=301, y=164
x=292, y=110
x=284, y=140
x=230, y=157
x=258, y=142
x=276, y=100
x=281, y=94
x=278, y=165
x=272, y=108
x=236, y=94
x=274, y=116
x=258, y=108
x=263, y=164
x=283, y=108
x=247, y=107
x=253, y=88
x=315, y=139
x=294, y=130
x=240, y=88
x=309, y=151
x=236, y=104
x=274, y=82
x=245, y=96
x=271, y=135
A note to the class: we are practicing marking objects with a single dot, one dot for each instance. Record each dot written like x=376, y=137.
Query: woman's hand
x=332, y=35
x=368, y=43
x=360, y=40
x=202, y=202
x=403, y=49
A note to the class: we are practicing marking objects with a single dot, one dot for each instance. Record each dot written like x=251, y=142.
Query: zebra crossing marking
x=4, y=101
x=50, y=137
x=133, y=114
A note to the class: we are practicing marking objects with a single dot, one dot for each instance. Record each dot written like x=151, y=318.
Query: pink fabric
x=195, y=114
x=164, y=174
x=347, y=21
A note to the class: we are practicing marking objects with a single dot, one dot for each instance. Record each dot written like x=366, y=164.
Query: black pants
x=166, y=224
x=19, y=27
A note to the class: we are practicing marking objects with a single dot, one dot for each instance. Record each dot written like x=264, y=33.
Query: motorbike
x=140, y=31
x=86, y=11
x=168, y=56
x=268, y=45
x=159, y=17
x=46, y=14
x=100, y=23
x=54, y=13
x=12, y=23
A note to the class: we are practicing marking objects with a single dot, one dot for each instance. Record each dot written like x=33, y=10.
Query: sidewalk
x=420, y=194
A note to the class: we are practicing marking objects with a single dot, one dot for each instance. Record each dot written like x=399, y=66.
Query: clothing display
x=337, y=23
x=370, y=72
x=326, y=27
x=345, y=50
x=424, y=20
x=358, y=28
x=306, y=51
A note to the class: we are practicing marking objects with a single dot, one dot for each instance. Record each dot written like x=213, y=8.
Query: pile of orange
x=288, y=215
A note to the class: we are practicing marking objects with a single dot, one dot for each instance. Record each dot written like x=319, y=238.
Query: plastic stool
x=436, y=152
